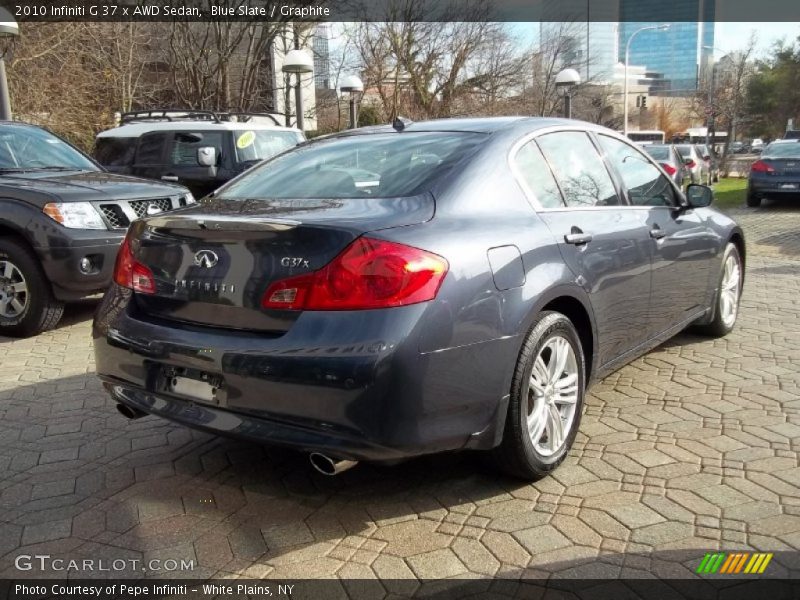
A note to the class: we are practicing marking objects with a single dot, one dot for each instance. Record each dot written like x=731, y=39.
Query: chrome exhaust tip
x=330, y=466
x=129, y=412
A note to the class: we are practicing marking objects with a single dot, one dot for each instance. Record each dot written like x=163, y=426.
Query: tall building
x=678, y=53
x=591, y=32
x=322, y=57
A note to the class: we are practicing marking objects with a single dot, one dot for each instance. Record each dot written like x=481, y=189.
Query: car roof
x=136, y=129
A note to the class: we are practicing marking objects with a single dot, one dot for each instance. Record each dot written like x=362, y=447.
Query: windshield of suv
x=29, y=148
x=383, y=165
x=261, y=144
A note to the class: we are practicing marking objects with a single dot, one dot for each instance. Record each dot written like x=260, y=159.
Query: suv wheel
x=753, y=201
x=27, y=306
x=546, y=399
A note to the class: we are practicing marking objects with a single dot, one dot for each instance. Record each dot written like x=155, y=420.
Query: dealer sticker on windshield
x=245, y=140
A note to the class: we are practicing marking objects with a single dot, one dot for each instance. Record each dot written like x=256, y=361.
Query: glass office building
x=678, y=52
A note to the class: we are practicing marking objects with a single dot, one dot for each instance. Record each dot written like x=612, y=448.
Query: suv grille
x=140, y=206
x=120, y=214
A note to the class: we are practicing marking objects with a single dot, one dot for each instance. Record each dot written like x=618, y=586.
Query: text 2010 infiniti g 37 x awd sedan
x=407, y=289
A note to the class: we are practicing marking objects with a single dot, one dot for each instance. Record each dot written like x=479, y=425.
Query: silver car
x=667, y=156
x=698, y=170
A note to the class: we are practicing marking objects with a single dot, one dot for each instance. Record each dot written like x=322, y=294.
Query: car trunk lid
x=212, y=264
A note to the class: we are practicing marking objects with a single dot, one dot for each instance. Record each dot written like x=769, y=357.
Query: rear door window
x=114, y=152
x=579, y=169
x=150, y=150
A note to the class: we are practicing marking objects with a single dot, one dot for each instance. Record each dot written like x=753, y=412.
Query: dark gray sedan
x=776, y=173
x=461, y=297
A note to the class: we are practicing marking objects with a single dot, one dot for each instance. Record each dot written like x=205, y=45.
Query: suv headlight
x=75, y=215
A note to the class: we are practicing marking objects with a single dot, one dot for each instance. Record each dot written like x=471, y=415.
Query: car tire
x=533, y=445
x=753, y=201
x=728, y=294
x=27, y=305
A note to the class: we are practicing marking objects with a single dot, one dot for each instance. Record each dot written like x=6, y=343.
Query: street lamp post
x=299, y=62
x=8, y=28
x=663, y=27
x=566, y=80
x=353, y=85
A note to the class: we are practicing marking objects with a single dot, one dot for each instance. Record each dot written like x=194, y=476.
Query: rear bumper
x=774, y=185
x=351, y=385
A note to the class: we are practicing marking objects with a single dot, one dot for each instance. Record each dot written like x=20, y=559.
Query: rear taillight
x=761, y=167
x=690, y=164
x=130, y=273
x=669, y=169
x=368, y=274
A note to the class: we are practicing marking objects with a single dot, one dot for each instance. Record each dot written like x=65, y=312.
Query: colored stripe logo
x=734, y=563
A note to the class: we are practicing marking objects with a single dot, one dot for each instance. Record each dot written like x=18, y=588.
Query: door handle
x=578, y=238
x=657, y=233
x=169, y=178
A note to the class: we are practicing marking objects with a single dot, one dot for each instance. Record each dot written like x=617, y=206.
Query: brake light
x=368, y=274
x=761, y=167
x=130, y=273
x=670, y=170
x=690, y=164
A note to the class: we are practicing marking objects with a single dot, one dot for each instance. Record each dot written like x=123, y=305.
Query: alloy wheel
x=13, y=290
x=729, y=289
x=552, y=395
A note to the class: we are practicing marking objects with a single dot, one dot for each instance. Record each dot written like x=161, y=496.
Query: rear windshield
x=786, y=150
x=379, y=165
x=114, y=152
x=684, y=151
x=658, y=152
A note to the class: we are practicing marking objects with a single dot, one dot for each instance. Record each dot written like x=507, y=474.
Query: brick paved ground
x=693, y=447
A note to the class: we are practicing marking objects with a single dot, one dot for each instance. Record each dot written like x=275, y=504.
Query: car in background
x=775, y=173
x=698, y=171
x=710, y=160
x=198, y=149
x=62, y=219
x=757, y=146
x=667, y=156
x=737, y=147
x=461, y=298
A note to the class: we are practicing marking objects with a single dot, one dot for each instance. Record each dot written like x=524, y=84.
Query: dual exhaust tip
x=321, y=462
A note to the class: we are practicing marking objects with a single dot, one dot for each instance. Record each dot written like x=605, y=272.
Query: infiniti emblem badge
x=206, y=258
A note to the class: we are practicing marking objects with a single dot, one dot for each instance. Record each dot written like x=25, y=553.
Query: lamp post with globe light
x=298, y=62
x=8, y=29
x=566, y=80
x=663, y=27
x=352, y=85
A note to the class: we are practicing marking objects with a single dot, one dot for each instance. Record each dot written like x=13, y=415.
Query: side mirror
x=207, y=156
x=699, y=196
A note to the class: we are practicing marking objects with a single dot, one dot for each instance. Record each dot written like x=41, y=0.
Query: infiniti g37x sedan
x=408, y=289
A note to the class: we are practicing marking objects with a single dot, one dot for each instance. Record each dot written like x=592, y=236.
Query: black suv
x=198, y=149
x=62, y=218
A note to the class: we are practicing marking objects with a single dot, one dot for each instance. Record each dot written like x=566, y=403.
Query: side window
x=646, y=185
x=579, y=169
x=151, y=149
x=537, y=175
x=185, y=144
x=114, y=152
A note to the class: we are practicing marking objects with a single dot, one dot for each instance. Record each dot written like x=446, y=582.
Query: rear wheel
x=546, y=399
x=729, y=292
x=27, y=306
x=753, y=201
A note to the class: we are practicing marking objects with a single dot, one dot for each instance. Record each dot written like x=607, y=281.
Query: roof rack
x=190, y=114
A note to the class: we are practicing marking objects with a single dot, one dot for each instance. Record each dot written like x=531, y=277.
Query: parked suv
x=198, y=149
x=62, y=218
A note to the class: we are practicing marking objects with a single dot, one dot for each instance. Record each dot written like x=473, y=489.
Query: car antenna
x=400, y=123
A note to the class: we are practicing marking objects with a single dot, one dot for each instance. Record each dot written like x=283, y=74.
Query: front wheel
x=546, y=399
x=729, y=292
x=27, y=306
